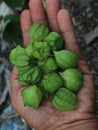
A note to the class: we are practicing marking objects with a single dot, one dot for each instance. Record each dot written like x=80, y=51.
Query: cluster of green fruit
x=46, y=68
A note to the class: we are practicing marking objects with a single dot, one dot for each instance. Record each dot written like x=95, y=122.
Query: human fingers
x=67, y=31
x=37, y=11
x=71, y=43
x=65, y=24
x=26, y=22
x=53, y=6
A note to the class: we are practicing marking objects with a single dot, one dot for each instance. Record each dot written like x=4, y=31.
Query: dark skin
x=46, y=117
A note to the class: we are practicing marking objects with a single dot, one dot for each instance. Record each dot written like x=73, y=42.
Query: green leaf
x=11, y=29
x=14, y=4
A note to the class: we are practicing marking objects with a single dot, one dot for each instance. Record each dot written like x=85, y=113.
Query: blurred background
x=85, y=19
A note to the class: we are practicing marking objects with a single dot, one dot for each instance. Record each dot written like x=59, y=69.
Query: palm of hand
x=46, y=114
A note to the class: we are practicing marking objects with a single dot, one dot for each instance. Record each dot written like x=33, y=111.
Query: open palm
x=46, y=117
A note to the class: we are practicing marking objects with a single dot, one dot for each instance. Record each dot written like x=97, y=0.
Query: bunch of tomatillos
x=46, y=68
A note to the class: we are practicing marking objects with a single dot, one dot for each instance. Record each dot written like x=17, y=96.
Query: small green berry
x=38, y=32
x=66, y=59
x=18, y=56
x=51, y=82
x=48, y=65
x=72, y=78
x=55, y=41
x=64, y=100
x=41, y=50
x=29, y=49
x=25, y=69
x=32, y=96
x=32, y=76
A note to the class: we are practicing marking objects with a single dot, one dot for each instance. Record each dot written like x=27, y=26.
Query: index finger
x=26, y=22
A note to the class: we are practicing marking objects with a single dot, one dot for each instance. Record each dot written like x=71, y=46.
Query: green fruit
x=66, y=59
x=51, y=82
x=25, y=69
x=18, y=56
x=55, y=41
x=32, y=76
x=29, y=49
x=48, y=65
x=46, y=68
x=45, y=93
x=38, y=32
x=72, y=78
x=22, y=82
x=64, y=100
x=32, y=96
x=41, y=50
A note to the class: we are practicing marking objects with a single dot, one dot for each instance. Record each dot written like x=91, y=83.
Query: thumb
x=14, y=79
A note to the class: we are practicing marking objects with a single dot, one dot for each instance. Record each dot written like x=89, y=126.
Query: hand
x=46, y=117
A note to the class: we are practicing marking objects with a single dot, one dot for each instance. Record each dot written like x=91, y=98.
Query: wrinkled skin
x=46, y=117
